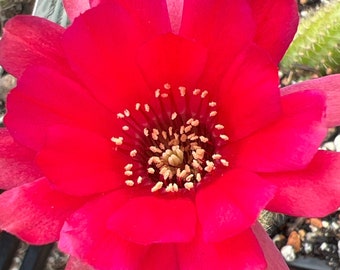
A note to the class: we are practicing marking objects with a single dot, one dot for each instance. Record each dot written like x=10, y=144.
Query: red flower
x=160, y=136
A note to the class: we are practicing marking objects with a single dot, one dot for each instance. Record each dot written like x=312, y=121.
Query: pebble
x=337, y=143
x=308, y=247
x=288, y=253
x=316, y=222
x=294, y=241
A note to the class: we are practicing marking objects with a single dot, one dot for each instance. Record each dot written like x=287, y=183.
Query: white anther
x=147, y=107
x=193, y=138
x=196, y=92
x=133, y=153
x=189, y=177
x=204, y=94
x=175, y=187
x=146, y=132
x=157, y=186
x=128, y=167
x=117, y=141
x=129, y=183
x=151, y=170
x=127, y=113
x=120, y=115
x=161, y=146
x=167, y=86
x=182, y=90
x=170, y=131
x=219, y=127
x=195, y=123
x=128, y=173
x=189, y=121
x=157, y=93
x=167, y=174
x=156, y=131
x=224, y=162
x=137, y=107
x=181, y=130
x=187, y=168
x=187, y=129
x=224, y=137
x=213, y=113
x=183, y=174
x=204, y=139
x=200, y=153
x=198, y=177
x=189, y=185
x=212, y=104
x=196, y=164
x=216, y=156
x=183, y=138
x=164, y=95
x=155, y=149
x=169, y=188
x=139, y=180
x=154, y=136
x=125, y=128
x=173, y=116
x=210, y=166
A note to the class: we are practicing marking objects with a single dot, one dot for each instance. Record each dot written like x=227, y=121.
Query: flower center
x=173, y=147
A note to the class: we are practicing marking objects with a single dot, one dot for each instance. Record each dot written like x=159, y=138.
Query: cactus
x=316, y=46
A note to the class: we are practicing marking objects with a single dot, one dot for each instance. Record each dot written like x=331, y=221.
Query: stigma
x=172, y=148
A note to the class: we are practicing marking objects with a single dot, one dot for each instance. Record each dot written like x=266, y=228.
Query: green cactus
x=316, y=46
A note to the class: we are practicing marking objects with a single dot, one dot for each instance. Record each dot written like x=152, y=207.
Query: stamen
x=117, y=141
x=204, y=94
x=219, y=127
x=177, y=150
x=129, y=183
x=213, y=113
x=156, y=187
x=127, y=113
x=182, y=90
x=224, y=137
x=173, y=116
x=157, y=93
x=133, y=153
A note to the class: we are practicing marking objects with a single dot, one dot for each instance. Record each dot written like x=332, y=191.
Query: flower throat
x=176, y=147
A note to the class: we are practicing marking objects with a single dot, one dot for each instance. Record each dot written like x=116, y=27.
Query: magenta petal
x=160, y=256
x=224, y=27
x=241, y=252
x=16, y=163
x=312, y=192
x=35, y=212
x=29, y=41
x=171, y=59
x=114, y=34
x=62, y=102
x=86, y=236
x=75, y=7
x=80, y=162
x=222, y=210
x=152, y=219
x=273, y=257
x=249, y=100
x=287, y=144
x=275, y=32
x=330, y=85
